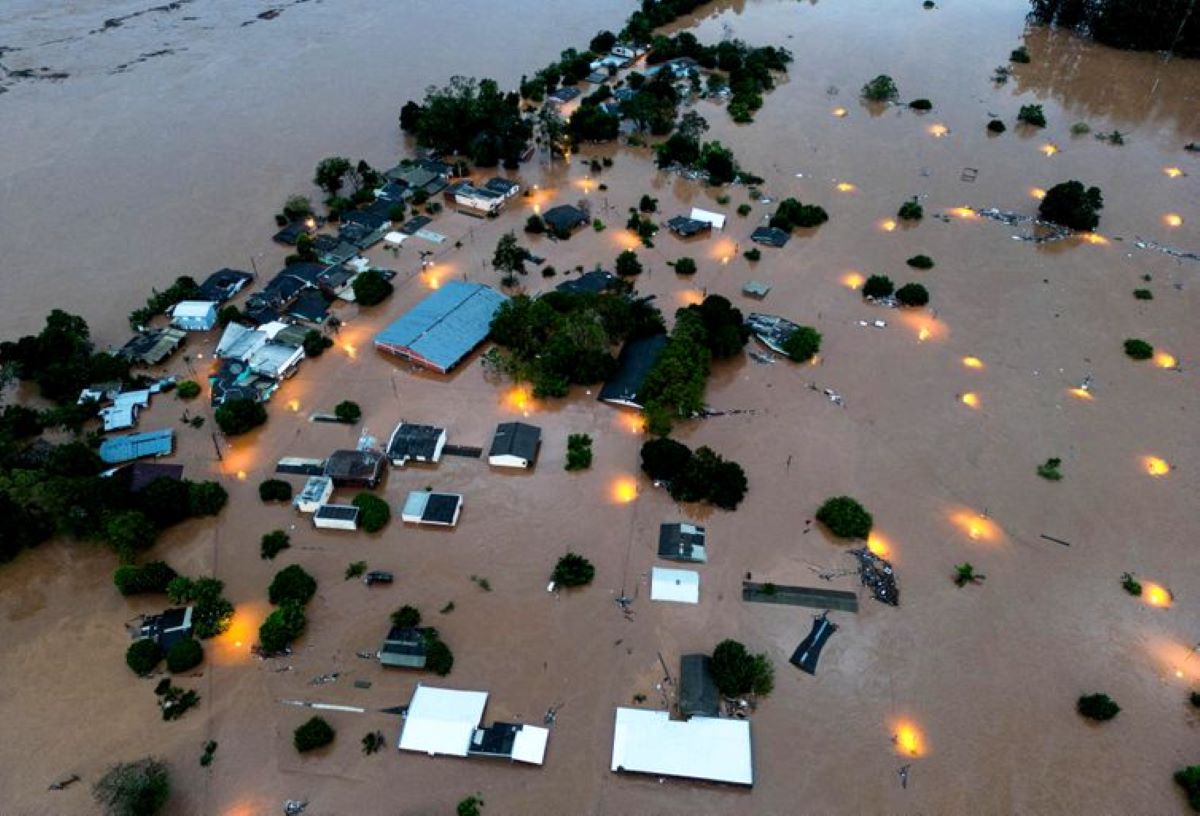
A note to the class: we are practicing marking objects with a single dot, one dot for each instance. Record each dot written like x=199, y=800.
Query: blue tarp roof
x=135, y=446
x=445, y=326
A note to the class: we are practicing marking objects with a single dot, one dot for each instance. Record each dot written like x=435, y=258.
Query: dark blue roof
x=633, y=365
x=445, y=326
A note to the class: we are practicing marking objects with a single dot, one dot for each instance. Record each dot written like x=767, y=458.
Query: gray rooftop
x=517, y=439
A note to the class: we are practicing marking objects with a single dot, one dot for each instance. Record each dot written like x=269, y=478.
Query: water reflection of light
x=878, y=544
x=924, y=326
x=628, y=239
x=241, y=475
x=350, y=350
x=975, y=526
x=1173, y=220
x=1081, y=393
x=908, y=739
x=634, y=423
x=233, y=645
x=1094, y=238
x=1156, y=466
x=1164, y=360
x=519, y=398
x=846, y=187
x=1173, y=172
x=938, y=130
x=840, y=113
x=888, y=225
x=965, y=213
x=293, y=405
x=1037, y=192
x=690, y=297
x=924, y=334
x=969, y=399
x=1049, y=149
x=853, y=280
x=624, y=490
x=1156, y=595
x=723, y=250
x=972, y=362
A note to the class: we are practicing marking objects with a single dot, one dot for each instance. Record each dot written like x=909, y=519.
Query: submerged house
x=152, y=347
x=363, y=228
x=443, y=328
x=194, y=315
x=515, y=445
x=477, y=200
x=564, y=219
x=447, y=722
x=316, y=492
x=682, y=542
x=336, y=517
x=771, y=330
x=427, y=507
x=705, y=748
x=223, y=284
x=592, y=282
x=168, y=628
x=355, y=468
x=770, y=236
x=674, y=585
x=686, y=227
x=698, y=693
x=126, y=448
x=404, y=648
x=415, y=443
x=633, y=366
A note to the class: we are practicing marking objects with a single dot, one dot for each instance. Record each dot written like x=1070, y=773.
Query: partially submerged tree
x=912, y=294
x=579, y=452
x=878, y=286
x=374, y=512
x=509, y=258
x=143, y=656
x=406, y=617
x=964, y=574
x=911, y=210
x=292, y=583
x=371, y=288
x=240, y=415
x=628, y=264
x=845, y=517
x=136, y=788
x=184, y=655
x=1032, y=115
x=275, y=490
x=347, y=412
x=281, y=627
x=312, y=734
x=1072, y=205
x=802, y=344
x=1098, y=707
x=880, y=89
x=792, y=214
x=273, y=543
x=1138, y=349
x=736, y=671
x=573, y=570
x=1189, y=779
x=1049, y=470
x=685, y=266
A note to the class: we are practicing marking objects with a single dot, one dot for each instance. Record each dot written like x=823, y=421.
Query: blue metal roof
x=445, y=326
x=135, y=446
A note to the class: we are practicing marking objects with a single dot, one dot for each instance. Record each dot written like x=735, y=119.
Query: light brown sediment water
x=121, y=181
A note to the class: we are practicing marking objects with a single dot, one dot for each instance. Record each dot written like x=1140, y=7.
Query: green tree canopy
x=292, y=583
x=136, y=788
x=736, y=671
x=573, y=570
x=845, y=517
x=1072, y=205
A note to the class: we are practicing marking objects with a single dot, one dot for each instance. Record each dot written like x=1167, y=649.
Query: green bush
x=316, y=733
x=737, y=672
x=579, y=452
x=1138, y=349
x=648, y=204
x=573, y=570
x=184, y=655
x=128, y=533
x=1143, y=294
x=240, y=415
x=374, y=512
x=273, y=543
x=143, y=656
x=534, y=225
x=315, y=343
x=153, y=576
x=685, y=266
x=188, y=389
x=1189, y=779
x=802, y=344
x=136, y=788
x=792, y=213
x=845, y=518
x=912, y=294
x=1098, y=707
x=275, y=490
x=911, y=210
x=880, y=89
x=406, y=617
x=753, y=254
x=1130, y=584
x=347, y=412
x=1032, y=115
x=1020, y=55
x=628, y=264
x=281, y=627
x=878, y=286
x=293, y=584
x=371, y=288
x=438, y=657
x=471, y=806
x=710, y=477
x=920, y=262
x=1049, y=470
x=664, y=459
x=996, y=126
x=1072, y=205
x=921, y=104
x=744, y=210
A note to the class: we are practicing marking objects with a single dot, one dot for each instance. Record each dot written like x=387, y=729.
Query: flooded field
x=114, y=180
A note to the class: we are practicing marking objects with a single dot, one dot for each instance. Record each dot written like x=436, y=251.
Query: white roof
x=716, y=219
x=441, y=721
x=393, y=237
x=530, y=744
x=193, y=308
x=679, y=586
x=699, y=748
x=272, y=359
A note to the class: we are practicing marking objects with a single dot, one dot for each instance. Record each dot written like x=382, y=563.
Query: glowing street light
x=1157, y=595
x=1156, y=466
x=840, y=113
x=938, y=130
x=972, y=362
x=853, y=280
x=1173, y=220
x=846, y=187
x=888, y=225
x=1037, y=192
x=1164, y=360
x=1049, y=149
x=969, y=399
x=1173, y=172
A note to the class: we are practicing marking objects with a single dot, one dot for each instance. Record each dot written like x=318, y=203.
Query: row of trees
x=290, y=590
x=470, y=117
x=61, y=359
x=563, y=338
x=674, y=388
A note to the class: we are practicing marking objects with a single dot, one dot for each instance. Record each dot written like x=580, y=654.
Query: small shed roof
x=717, y=220
x=682, y=542
x=700, y=748
x=593, y=282
x=674, y=585
x=698, y=694
x=404, y=647
x=223, y=284
x=354, y=466
x=756, y=289
x=770, y=236
x=135, y=446
x=421, y=442
x=686, y=227
x=337, y=512
x=426, y=507
x=518, y=439
x=441, y=721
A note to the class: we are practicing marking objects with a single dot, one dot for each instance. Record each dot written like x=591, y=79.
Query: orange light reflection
x=969, y=399
x=1037, y=192
x=878, y=544
x=888, y=225
x=975, y=526
x=519, y=398
x=1081, y=393
x=1173, y=220
x=965, y=213
x=972, y=362
x=853, y=280
x=937, y=131
x=840, y=113
x=1049, y=149
x=233, y=646
x=846, y=187
x=1157, y=595
x=1164, y=360
x=1155, y=466
x=908, y=739
x=1173, y=172
x=624, y=490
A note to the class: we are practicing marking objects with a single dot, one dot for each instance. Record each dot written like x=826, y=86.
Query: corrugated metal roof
x=445, y=326
x=135, y=446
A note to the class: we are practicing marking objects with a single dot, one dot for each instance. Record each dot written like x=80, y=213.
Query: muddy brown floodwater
x=115, y=179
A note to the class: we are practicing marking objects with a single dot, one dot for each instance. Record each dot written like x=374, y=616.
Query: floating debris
x=878, y=574
x=324, y=679
x=1141, y=243
x=294, y=807
x=763, y=359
